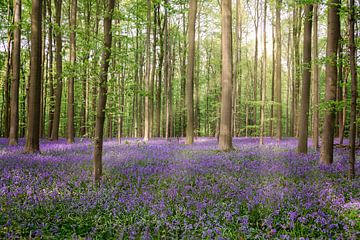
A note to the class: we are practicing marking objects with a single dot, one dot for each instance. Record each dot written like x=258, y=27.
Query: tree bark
x=197, y=78
x=6, y=116
x=315, y=129
x=225, y=138
x=326, y=153
x=237, y=72
x=84, y=107
x=58, y=53
x=263, y=91
x=32, y=138
x=278, y=73
x=272, y=78
x=14, y=98
x=100, y=111
x=159, y=80
x=190, y=73
x=153, y=73
x=305, y=98
x=352, y=52
x=147, y=73
x=70, y=100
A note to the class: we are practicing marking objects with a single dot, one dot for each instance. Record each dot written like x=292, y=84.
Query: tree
x=147, y=74
x=7, y=83
x=14, y=97
x=352, y=51
x=278, y=72
x=50, y=71
x=100, y=111
x=58, y=56
x=263, y=90
x=315, y=124
x=70, y=100
x=190, y=73
x=305, y=98
x=326, y=152
x=225, y=138
x=32, y=138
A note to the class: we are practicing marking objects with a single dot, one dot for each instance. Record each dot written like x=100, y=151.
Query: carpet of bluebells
x=166, y=190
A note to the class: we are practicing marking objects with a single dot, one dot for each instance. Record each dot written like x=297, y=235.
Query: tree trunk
x=147, y=73
x=14, y=98
x=352, y=51
x=6, y=117
x=84, y=107
x=305, y=98
x=100, y=111
x=50, y=75
x=263, y=93
x=43, y=80
x=237, y=73
x=58, y=53
x=297, y=66
x=342, y=114
x=326, y=156
x=225, y=138
x=272, y=79
x=70, y=100
x=153, y=71
x=183, y=78
x=197, y=78
x=159, y=79
x=256, y=24
x=32, y=138
x=278, y=73
x=190, y=73
x=315, y=129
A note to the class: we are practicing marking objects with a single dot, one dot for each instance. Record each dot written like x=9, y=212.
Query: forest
x=179, y=119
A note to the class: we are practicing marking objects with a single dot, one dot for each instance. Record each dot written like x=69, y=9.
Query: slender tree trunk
x=263, y=93
x=190, y=73
x=159, y=78
x=197, y=78
x=6, y=117
x=100, y=111
x=70, y=100
x=225, y=138
x=166, y=73
x=326, y=156
x=51, y=72
x=342, y=115
x=169, y=115
x=94, y=88
x=14, y=98
x=43, y=80
x=305, y=98
x=315, y=129
x=237, y=71
x=147, y=73
x=297, y=67
x=289, y=118
x=84, y=107
x=278, y=73
x=153, y=73
x=58, y=53
x=208, y=67
x=272, y=79
x=255, y=89
x=32, y=138
x=352, y=51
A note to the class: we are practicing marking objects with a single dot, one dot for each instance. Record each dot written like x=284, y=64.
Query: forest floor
x=168, y=190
